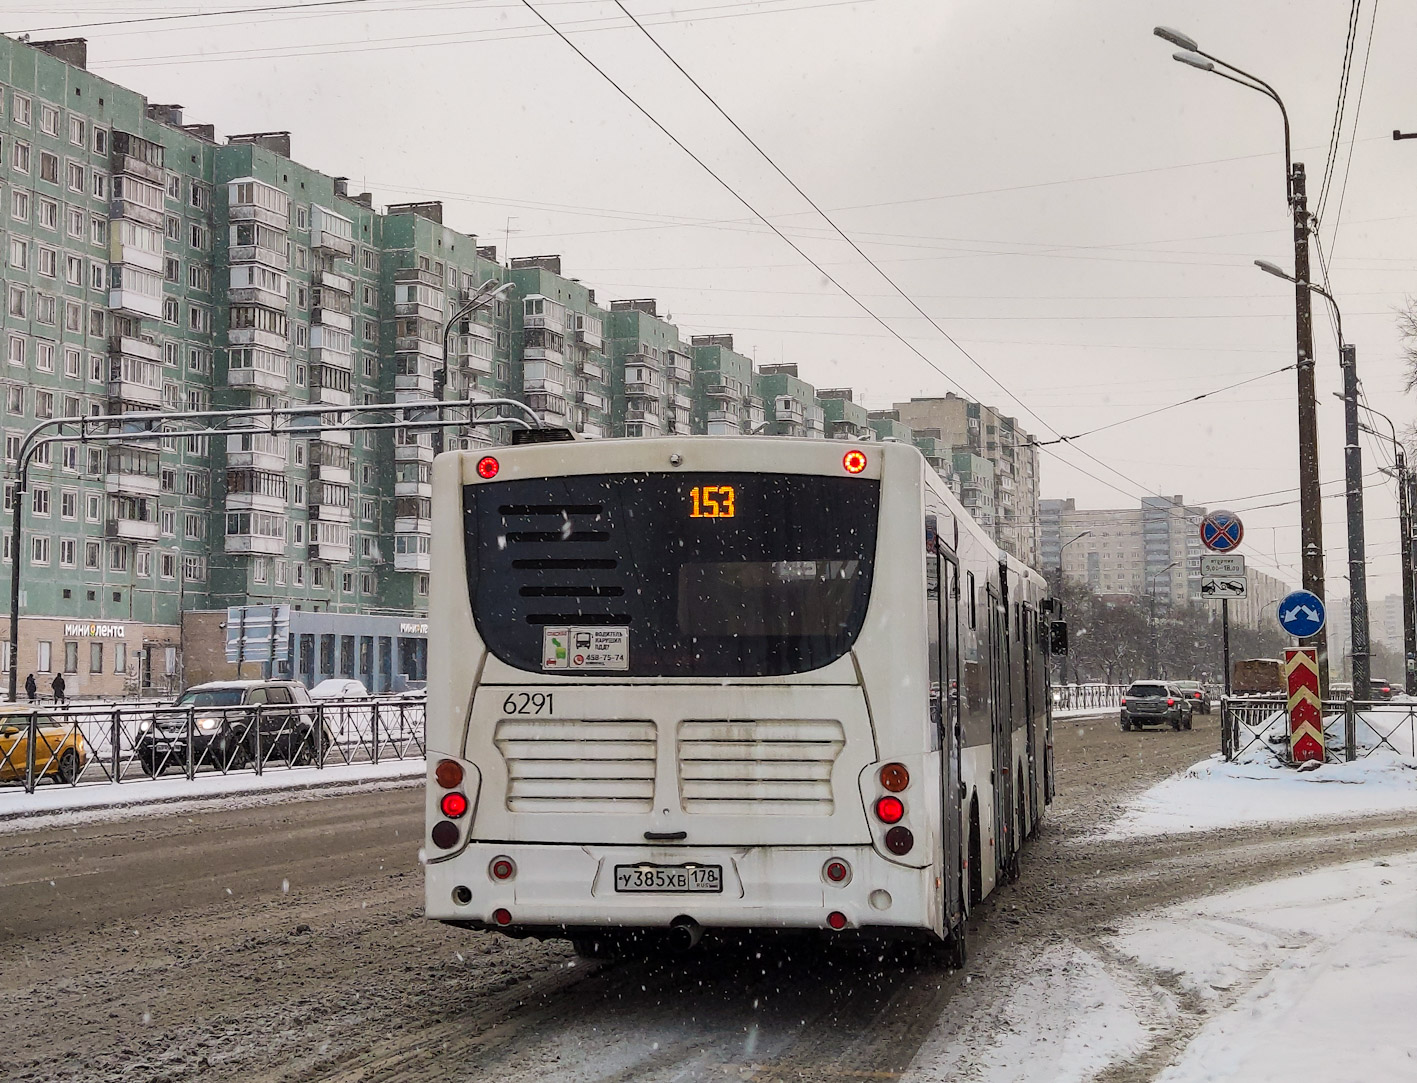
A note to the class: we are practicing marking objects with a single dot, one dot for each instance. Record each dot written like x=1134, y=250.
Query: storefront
x=98, y=659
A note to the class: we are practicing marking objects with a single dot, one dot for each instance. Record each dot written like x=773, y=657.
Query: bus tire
x=976, y=856
x=955, y=952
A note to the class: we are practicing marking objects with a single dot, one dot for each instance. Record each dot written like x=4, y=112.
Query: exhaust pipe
x=684, y=933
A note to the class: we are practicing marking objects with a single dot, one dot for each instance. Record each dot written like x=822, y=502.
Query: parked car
x=1340, y=689
x=1155, y=703
x=339, y=688
x=230, y=724
x=1381, y=689
x=1197, y=693
x=58, y=748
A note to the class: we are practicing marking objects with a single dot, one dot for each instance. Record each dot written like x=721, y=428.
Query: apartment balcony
x=724, y=389
x=413, y=488
x=679, y=370
x=593, y=400
x=553, y=319
x=639, y=389
x=332, y=317
x=548, y=386
x=133, y=255
x=549, y=404
x=134, y=382
x=254, y=545
x=645, y=416
x=260, y=450
x=254, y=336
x=682, y=399
x=135, y=212
x=327, y=513
x=594, y=339
x=330, y=462
x=146, y=530
x=250, y=212
x=413, y=385
x=330, y=232
x=644, y=360
x=421, y=346
x=413, y=453
x=339, y=283
x=481, y=366
x=592, y=370
x=412, y=562
x=542, y=353
x=255, y=295
x=254, y=502
x=133, y=303
x=328, y=392
x=139, y=348
x=255, y=253
x=129, y=483
x=329, y=542
x=790, y=411
x=136, y=167
x=257, y=380
x=411, y=524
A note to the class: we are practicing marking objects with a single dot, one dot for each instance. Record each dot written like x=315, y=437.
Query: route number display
x=711, y=502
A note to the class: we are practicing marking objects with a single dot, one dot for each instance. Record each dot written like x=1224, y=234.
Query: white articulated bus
x=692, y=683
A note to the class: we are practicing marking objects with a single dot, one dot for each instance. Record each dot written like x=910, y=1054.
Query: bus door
x=942, y=592
x=1002, y=737
x=1028, y=638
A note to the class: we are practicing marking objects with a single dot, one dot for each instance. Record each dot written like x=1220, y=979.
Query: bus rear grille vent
x=577, y=765
x=758, y=767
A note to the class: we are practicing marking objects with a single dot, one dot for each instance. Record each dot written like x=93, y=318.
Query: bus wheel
x=976, y=857
x=1023, y=831
x=956, y=949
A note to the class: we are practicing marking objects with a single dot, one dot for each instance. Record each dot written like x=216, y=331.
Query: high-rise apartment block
x=149, y=264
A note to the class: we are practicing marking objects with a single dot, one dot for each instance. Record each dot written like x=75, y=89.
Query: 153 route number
x=527, y=703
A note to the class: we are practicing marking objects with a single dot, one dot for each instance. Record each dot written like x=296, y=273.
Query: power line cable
x=195, y=15
x=859, y=251
x=1346, y=68
x=1357, y=112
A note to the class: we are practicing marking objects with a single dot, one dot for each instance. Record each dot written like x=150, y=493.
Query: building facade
x=150, y=264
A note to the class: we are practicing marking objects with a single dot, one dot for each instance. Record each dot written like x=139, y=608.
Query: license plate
x=669, y=878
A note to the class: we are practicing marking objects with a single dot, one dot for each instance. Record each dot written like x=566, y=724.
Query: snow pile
x=1392, y=726
x=19, y=810
x=1312, y=975
x=1214, y=794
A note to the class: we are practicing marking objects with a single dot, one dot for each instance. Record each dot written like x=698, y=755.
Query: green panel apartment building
x=149, y=264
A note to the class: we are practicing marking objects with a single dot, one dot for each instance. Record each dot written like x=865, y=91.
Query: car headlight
x=208, y=725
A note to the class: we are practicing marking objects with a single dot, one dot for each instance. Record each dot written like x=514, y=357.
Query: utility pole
x=1357, y=559
x=1310, y=504
x=1409, y=609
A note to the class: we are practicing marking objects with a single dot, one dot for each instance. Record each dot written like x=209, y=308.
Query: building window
x=49, y=167
x=120, y=658
x=44, y=657
x=48, y=119
x=118, y=558
x=69, y=504
x=143, y=564
x=93, y=506
x=100, y=141
x=76, y=131
x=40, y=500
x=167, y=565
x=68, y=552
x=95, y=657
x=39, y=549
x=71, y=656
x=92, y=553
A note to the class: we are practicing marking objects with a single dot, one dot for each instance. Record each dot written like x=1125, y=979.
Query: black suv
x=232, y=724
x=1155, y=703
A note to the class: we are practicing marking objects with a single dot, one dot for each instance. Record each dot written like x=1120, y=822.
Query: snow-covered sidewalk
x=1214, y=794
x=19, y=810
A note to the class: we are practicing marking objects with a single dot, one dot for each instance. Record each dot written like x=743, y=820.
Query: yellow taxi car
x=58, y=747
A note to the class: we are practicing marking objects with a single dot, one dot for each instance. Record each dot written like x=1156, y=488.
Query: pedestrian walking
x=58, y=687
x=31, y=688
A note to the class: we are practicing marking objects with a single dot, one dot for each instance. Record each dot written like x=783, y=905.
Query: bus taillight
x=836, y=872
x=502, y=917
x=899, y=841
x=889, y=810
x=837, y=920
x=895, y=777
x=453, y=805
x=448, y=773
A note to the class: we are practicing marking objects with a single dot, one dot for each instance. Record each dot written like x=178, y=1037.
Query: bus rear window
x=649, y=575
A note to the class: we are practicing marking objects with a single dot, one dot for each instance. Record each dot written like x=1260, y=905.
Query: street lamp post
x=481, y=297
x=1310, y=504
x=1151, y=607
x=1353, y=482
x=1404, y=520
x=1065, y=544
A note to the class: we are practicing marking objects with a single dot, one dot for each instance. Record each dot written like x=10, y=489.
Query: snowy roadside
x=1308, y=977
x=52, y=804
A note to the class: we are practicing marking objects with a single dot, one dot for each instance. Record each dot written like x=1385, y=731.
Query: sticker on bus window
x=585, y=650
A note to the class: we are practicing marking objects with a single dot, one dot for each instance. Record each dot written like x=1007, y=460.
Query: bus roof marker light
x=854, y=461
x=487, y=467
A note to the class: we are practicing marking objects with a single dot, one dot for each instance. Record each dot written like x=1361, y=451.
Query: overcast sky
x=1077, y=210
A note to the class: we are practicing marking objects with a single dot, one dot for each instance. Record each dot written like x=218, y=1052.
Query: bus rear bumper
x=555, y=888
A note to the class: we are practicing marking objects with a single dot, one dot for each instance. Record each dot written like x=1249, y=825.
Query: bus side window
x=970, y=580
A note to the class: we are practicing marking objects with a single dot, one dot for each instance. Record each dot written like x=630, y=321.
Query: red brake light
x=889, y=810
x=837, y=872
x=448, y=773
x=1124, y=701
x=487, y=467
x=453, y=805
x=503, y=868
x=1170, y=702
x=502, y=917
x=837, y=920
x=853, y=462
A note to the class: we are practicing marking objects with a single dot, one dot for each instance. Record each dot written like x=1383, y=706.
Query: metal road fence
x=75, y=745
x=1258, y=727
x=1070, y=697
